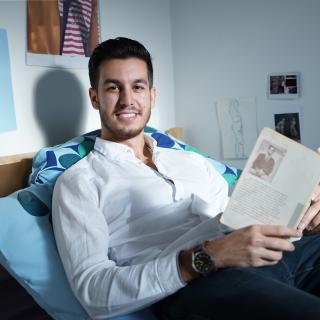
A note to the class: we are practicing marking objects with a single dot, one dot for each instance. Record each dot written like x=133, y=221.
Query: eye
x=138, y=87
x=113, y=88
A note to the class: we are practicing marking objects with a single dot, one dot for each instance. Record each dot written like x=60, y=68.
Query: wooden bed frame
x=14, y=172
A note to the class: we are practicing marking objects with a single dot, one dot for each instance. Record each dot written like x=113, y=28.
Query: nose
x=126, y=97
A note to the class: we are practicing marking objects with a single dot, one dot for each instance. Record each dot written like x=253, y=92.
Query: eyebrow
x=115, y=81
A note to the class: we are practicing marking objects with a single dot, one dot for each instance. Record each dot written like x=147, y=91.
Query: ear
x=93, y=94
x=153, y=95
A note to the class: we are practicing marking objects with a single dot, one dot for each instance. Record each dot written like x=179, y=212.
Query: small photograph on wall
x=61, y=33
x=288, y=124
x=283, y=85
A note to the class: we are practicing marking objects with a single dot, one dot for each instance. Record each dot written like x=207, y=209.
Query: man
x=281, y=126
x=138, y=225
x=264, y=163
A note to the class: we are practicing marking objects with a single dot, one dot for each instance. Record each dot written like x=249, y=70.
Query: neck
x=137, y=144
x=141, y=148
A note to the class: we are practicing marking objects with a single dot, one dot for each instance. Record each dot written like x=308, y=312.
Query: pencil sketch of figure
x=237, y=128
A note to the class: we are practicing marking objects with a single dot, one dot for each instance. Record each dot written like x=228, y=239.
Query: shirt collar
x=118, y=151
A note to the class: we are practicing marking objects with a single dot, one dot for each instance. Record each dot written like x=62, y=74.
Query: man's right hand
x=252, y=246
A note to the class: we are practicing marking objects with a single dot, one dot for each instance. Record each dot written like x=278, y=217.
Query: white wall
x=226, y=48
x=52, y=104
x=219, y=48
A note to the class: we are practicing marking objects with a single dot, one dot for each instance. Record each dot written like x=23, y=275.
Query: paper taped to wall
x=7, y=114
x=238, y=126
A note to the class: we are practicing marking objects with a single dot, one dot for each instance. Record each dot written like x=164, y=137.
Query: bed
x=14, y=172
x=31, y=272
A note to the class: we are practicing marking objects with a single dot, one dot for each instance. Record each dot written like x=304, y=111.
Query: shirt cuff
x=178, y=268
x=168, y=273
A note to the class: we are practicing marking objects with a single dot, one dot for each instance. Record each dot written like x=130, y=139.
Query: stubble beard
x=120, y=134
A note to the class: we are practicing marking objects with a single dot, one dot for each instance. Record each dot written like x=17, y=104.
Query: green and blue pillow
x=27, y=245
x=50, y=162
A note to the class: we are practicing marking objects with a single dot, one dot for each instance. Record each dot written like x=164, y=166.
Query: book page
x=276, y=184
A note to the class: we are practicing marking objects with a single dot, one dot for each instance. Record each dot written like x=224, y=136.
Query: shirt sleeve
x=103, y=288
x=217, y=189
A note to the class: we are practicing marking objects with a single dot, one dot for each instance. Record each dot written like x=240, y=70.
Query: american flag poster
x=62, y=33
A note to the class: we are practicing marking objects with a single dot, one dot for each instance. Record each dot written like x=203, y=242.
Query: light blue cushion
x=27, y=245
x=28, y=251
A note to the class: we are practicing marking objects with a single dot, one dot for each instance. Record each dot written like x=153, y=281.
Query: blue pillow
x=27, y=246
x=28, y=251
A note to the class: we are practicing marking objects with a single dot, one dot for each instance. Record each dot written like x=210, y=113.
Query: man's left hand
x=310, y=223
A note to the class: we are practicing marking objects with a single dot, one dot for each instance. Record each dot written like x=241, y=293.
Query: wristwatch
x=202, y=261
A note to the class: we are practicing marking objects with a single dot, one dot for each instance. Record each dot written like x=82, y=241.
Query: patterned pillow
x=50, y=162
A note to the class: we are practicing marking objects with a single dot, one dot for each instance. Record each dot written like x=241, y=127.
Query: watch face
x=202, y=262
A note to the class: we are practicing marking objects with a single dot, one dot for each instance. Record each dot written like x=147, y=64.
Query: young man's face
x=271, y=150
x=123, y=98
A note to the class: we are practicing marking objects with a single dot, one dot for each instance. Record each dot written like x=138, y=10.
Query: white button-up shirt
x=119, y=224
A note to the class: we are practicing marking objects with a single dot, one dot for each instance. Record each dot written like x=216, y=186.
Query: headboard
x=14, y=172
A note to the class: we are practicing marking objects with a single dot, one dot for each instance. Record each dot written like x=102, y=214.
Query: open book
x=276, y=184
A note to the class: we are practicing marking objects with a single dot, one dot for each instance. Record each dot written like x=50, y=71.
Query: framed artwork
x=62, y=33
x=288, y=124
x=284, y=85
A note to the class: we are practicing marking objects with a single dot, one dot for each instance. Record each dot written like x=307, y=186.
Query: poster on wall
x=7, y=113
x=237, y=119
x=288, y=121
x=284, y=85
x=62, y=33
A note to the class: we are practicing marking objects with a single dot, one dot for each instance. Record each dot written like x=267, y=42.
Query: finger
x=266, y=263
x=279, y=231
x=314, y=222
x=313, y=231
x=271, y=255
x=265, y=260
x=262, y=263
x=310, y=214
x=277, y=244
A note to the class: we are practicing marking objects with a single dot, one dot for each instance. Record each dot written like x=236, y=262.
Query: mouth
x=128, y=115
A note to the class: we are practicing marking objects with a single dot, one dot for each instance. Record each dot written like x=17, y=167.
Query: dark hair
x=118, y=48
